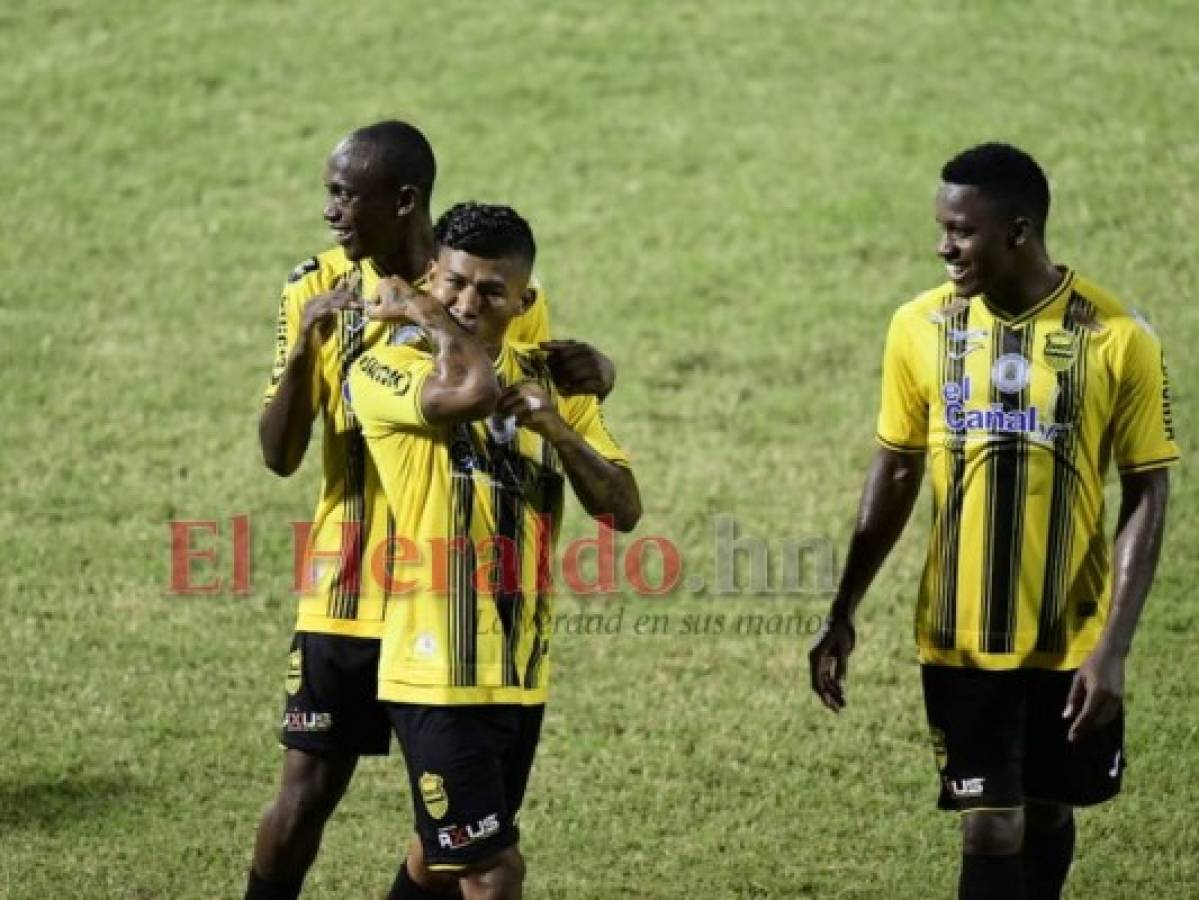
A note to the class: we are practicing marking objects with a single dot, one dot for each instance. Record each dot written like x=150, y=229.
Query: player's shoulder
x=1105, y=312
x=318, y=273
x=930, y=307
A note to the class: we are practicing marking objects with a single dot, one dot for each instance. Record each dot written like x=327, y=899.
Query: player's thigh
x=1058, y=771
x=332, y=708
x=976, y=719
x=312, y=785
x=455, y=762
x=501, y=875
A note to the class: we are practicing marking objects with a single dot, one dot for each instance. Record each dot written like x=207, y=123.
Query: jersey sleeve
x=1142, y=426
x=296, y=292
x=903, y=410
x=384, y=391
x=583, y=414
x=534, y=326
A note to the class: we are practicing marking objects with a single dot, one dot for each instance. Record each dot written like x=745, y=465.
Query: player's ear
x=1020, y=231
x=407, y=200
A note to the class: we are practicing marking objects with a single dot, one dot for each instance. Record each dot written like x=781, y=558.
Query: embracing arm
x=892, y=486
x=606, y=489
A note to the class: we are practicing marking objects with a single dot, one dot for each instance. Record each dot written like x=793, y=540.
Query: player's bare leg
x=991, y=864
x=1048, y=848
x=289, y=835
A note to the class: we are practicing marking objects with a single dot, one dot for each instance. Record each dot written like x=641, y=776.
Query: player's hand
x=531, y=406
x=1096, y=694
x=316, y=321
x=828, y=661
x=579, y=368
x=398, y=302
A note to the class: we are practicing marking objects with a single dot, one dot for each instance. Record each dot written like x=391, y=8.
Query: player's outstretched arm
x=462, y=386
x=1098, y=688
x=607, y=491
x=579, y=368
x=892, y=485
x=285, y=426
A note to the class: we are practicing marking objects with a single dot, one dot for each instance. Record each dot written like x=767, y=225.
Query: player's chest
x=1043, y=379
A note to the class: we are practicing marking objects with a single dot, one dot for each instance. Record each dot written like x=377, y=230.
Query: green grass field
x=729, y=198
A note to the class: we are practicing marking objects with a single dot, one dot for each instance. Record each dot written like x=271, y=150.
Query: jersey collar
x=1063, y=289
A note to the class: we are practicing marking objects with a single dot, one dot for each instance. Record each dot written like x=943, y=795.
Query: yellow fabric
x=351, y=519
x=466, y=499
x=1020, y=420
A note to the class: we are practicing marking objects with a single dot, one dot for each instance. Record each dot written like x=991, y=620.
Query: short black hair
x=400, y=155
x=492, y=232
x=1007, y=175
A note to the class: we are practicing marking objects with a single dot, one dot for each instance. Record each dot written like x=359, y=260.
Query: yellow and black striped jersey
x=476, y=510
x=1020, y=419
x=351, y=515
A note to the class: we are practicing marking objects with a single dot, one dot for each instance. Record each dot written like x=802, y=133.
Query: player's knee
x=310, y=792
x=499, y=878
x=990, y=832
x=1040, y=815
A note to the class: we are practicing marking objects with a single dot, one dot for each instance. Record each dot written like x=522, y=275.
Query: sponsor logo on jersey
x=455, y=837
x=1061, y=347
x=398, y=382
x=1010, y=373
x=298, y=721
x=963, y=342
x=996, y=418
x=295, y=666
x=432, y=791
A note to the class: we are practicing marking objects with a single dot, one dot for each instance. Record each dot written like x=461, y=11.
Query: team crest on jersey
x=432, y=791
x=294, y=669
x=1010, y=373
x=1061, y=347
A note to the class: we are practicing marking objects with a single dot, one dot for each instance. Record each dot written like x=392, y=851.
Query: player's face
x=361, y=212
x=975, y=240
x=482, y=295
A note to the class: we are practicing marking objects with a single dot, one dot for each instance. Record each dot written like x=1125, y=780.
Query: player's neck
x=1026, y=292
x=410, y=260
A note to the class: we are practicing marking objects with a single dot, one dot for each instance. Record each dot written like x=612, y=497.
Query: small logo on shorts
x=294, y=668
x=296, y=720
x=455, y=837
x=432, y=791
x=966, y=787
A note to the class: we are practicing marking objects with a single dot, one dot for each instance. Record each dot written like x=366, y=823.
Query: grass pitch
x=730, y=199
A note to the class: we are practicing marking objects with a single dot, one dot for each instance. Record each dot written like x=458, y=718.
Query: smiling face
x=361, y=209
x=482, y=295
x=980, y=244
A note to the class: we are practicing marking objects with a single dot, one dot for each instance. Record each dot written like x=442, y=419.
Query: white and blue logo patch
x=1010, y=373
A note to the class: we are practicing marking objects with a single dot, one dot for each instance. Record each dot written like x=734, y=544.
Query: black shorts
x=332, y=706
x=999, y=739
x=468, y=767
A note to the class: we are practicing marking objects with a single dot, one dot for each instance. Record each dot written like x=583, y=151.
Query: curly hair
x=492, y=232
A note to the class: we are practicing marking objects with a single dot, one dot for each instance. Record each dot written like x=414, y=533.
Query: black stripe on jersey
x=1006, y=464
x=347, y=584
x=1071, y=384
x=947, y=539
x=505, y=467
x=462, y=605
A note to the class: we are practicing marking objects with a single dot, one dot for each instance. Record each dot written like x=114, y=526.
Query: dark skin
x=373, y=219
x=1003, y=256
x=465, y=315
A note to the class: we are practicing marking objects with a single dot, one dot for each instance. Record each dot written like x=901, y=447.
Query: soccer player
x=474, y=446
x=379, y=181
x=1016, y=383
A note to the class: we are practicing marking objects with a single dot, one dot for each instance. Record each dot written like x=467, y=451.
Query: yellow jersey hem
x=1004, y=662
x=345, y=627
x=1150, y=465
x=448, y=695
x=899, y=448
